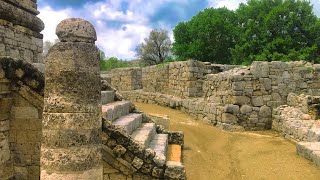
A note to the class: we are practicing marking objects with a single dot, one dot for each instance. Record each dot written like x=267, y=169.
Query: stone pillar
x=71, y=144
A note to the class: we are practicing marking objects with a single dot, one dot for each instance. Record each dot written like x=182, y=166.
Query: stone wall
x=185, y=78
x=299, y=119
x=25, y=138
x=20, y=30
x=6, y=170
x=156, y=78
x=20, y=119
x=249, y=94
x=181, y=79
x=236, y=96
x=126, y=79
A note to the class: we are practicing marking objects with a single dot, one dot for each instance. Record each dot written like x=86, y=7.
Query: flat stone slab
x=129, y=122
x=310, y=151
x=144, y=134
x=107, y=97
x=115, y=110
x=159, y=144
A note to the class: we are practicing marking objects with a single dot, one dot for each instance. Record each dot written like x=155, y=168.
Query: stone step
x=310, y=151
x=129, y=122
x=115, y=110
x=145, y=133
x=313, y=135
x=107, y=97
x=159, y=144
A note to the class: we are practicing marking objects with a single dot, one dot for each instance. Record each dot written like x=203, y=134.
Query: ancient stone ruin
x=68, y=123
x=283, y=96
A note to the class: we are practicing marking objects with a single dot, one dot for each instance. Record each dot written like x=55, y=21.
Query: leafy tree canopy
x=106, y=64
x=156, y=47
x=208, y=36
x=263, y=30
x=276, y=30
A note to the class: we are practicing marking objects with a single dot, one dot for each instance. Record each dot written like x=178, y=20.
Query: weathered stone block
x=25, y=113
x=245, y=109
x=265, y=111
x=71, y=159
x=238, y=86
x=229, y=118
x=260, y=69
x=230, y=108
x=240, y=100
x=257, y=101
x=71, y=121
x=21, y=172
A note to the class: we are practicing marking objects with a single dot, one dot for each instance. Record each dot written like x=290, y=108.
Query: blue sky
x=122, y=24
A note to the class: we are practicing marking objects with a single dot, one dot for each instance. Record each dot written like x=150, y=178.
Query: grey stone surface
x=107, y=97
x=129, y=122
x=160, y=145
x=144, y=134
x=115, y=110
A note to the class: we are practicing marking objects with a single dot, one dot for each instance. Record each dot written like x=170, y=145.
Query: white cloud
x=120, y=43
x=316, y=6
x=230, y=4
x=51, y=19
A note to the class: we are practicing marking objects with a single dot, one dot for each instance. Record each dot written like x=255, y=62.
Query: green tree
x=276, y=30
x=47, y=45
x=156, y=47
x=208, y=36
x=106, y=64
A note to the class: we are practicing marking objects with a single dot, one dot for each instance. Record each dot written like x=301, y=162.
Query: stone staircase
x=134, y=144
x=295, y=125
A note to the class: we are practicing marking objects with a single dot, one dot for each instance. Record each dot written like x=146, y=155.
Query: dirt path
x=210, y=153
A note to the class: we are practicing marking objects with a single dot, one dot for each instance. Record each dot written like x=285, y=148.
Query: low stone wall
x=181, y=79
x=299, y=120
x=156, y=79
x=244, y=96
x=196, y=107
x=20, y=30
x=185, y=78
x=126, y=79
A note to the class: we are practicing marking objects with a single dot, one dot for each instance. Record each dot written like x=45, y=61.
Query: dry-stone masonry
x=71, y=144
x=157, y=79
x=231, y=97
x=299, y=121
x=126, y=79
x=20, y=30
